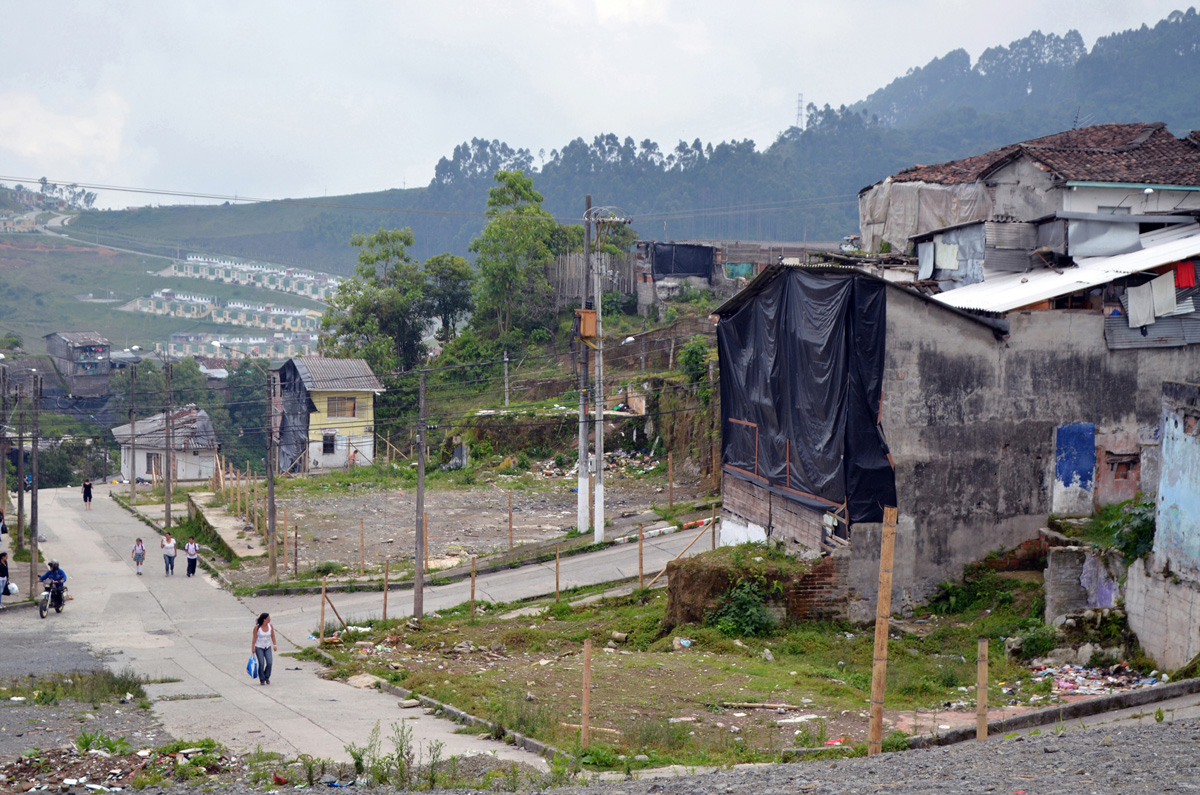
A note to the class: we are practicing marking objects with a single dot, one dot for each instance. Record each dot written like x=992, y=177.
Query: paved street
x=191, y=630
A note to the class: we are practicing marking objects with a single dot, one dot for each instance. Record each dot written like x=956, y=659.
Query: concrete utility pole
x=506, y=379
x=170, y=450
x=132, y=437
x=598, y=292
x=3, y=436
x=419, y=561
x=581, y=503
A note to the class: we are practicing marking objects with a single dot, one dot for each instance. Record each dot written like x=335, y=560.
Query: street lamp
x=272, y=570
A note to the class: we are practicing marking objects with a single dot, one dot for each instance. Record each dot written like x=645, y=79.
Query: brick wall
x=823, y=593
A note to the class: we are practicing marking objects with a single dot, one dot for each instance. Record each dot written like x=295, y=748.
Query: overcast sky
x=299, y=98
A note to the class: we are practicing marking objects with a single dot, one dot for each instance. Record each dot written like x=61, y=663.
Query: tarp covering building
x=801, y=370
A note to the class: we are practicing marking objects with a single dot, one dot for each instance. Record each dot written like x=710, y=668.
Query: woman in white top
x=262, y=644
x=168, y=550
x=139, y=555
x=193, y=554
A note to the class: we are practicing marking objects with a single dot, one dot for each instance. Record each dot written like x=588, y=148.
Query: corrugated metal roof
x=191, y=430
x=81, y=337
x=336, y=375
x=1002, y=293
x=1165, y=332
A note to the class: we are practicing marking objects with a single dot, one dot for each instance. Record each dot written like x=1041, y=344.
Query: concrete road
x=191, y=630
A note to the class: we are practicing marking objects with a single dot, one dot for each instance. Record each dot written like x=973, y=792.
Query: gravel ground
x=24, y=726
x=1144, y=759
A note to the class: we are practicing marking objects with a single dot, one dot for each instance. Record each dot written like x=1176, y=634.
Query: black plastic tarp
x=676, y=259
x=801, y=378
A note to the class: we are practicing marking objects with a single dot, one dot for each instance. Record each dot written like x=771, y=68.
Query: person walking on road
x=139, y=555
x=168, y=550
x=87, y=494
x=262, y=644
x=193, y=554
x=3, y=577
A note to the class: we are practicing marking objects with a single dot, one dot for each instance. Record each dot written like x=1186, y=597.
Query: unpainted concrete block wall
x=1078, y=578
x=1164, y=612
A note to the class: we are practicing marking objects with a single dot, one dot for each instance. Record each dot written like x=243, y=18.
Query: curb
x=1080, y=709
x=455, y=714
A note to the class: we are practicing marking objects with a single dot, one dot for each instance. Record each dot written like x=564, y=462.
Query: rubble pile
x=621, y=462
x=1081, y=680
x=100, y=771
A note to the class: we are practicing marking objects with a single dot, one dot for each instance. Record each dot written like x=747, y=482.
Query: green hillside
x=43, y=281
x=801, y=186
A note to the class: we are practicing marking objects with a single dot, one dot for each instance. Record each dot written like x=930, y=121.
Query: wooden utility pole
x=169, y=464
x=33, y=494
x=21, y=474
x=981, y=691
x=510, y=526
x=272, y=465
x=419, y=554
x=506, y=379
x=132, y=436
x=883, y=612
x=3, y=437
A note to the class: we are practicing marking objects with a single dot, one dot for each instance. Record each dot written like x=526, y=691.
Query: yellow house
x=326, y=413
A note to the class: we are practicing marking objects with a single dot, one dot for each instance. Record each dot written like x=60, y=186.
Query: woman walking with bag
x=139, y=555
x=262, y=643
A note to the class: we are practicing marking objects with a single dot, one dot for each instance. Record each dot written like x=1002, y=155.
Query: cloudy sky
x=305, y=98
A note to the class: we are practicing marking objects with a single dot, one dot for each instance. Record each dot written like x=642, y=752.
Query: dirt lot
x=463, y=521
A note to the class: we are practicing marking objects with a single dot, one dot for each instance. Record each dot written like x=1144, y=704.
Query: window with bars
x=342, y=407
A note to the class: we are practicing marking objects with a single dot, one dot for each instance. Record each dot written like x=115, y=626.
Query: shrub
x=743, y=611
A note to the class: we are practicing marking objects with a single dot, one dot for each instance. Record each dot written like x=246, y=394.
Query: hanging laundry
x=1185, y=274
x=1141, y=305
x=1164, y=294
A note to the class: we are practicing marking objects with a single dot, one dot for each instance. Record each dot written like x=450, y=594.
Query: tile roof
x=1143, y=153
x=336, y=375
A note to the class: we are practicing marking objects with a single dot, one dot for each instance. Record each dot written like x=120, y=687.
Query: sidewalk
x=191, y=630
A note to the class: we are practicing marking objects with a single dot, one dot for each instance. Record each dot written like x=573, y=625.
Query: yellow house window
x=342, y=407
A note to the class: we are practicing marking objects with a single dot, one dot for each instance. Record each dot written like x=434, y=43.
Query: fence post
x=587, y=693
x=321, y=642
x=472, y=587
x=641, y=544
x=510, y=528
x=883, y=612
x=362, y=548
x=981, y=693
x=556, y=569
x=386, y=567
x=670, y=480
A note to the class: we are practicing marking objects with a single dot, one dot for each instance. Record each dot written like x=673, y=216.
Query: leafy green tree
x=381, y=314
x=241, y=422
x=449, y=281
x=512, y=292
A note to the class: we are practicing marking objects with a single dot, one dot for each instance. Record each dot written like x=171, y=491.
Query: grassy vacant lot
x=522, y=668
x=40, y=277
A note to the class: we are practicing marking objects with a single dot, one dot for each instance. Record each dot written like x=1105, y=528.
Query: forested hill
x=802, y=185
x=1149, y=74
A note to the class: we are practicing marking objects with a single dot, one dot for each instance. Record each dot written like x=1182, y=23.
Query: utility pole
x=33, y=494
x=21, y=472
x=581, y=503
x=419, y=562
x=272, y=465
x=3, y=437
x=132, y=437
x=598, y=292
x=170, y=451
x=506, y=379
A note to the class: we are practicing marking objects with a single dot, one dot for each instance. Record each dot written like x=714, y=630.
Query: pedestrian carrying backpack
x=252, y=667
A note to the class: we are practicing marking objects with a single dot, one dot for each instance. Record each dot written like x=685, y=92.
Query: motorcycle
x=53, y=596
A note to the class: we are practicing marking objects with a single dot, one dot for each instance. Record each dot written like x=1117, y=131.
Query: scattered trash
x=1082, y=680
x=835, y=741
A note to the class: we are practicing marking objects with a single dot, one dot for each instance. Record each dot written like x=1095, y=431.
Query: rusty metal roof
x=319, y=374
x=191, y=430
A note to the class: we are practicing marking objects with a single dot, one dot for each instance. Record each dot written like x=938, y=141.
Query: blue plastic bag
x=252, y=666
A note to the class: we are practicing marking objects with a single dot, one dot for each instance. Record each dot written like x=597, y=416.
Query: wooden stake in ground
x=883, y=612
x=670, y=480
x=981, y=685
x=510, y=534
x=556, y=569
x=324, y=582
x=680, y=555
x=386, y=566
x=362, y=548
x=641, y=544
x=296, y=551
x=472, y=588
x=285, y=544
x=587, y=693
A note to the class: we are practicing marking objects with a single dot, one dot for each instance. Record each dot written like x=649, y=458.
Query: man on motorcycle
x=55, y=574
